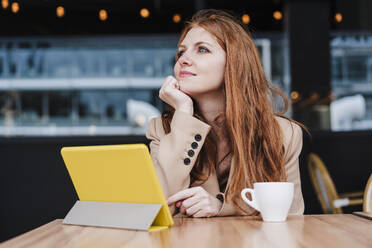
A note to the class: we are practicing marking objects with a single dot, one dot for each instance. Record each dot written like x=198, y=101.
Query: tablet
x=116, y=173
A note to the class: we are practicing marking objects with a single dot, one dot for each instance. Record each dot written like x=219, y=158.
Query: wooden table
x=341, y=230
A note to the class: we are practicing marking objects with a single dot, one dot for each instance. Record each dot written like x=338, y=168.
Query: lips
x=186, y=74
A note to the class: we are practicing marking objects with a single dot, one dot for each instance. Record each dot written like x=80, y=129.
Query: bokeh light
x=5, y=4
x=15, y=7
x=338, y=17
x=277, y=15
x=246, y=19
x=103, y=15
x=60, y=11
x=176, y=18
x=145, y=13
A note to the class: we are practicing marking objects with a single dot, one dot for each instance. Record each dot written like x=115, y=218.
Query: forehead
x=198, y=34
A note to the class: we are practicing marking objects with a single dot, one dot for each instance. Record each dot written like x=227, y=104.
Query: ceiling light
x=176, y=18
x=294, y=95
x=5, y=4
x=15, y=7
x=60, y=11
x=277, y=15
x=338, y=17
x=103, y=15
x=145, y=13
x=246, y=19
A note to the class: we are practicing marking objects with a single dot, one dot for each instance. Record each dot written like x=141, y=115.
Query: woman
x=221, y=134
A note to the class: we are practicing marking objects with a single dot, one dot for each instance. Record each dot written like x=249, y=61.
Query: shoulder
x=292, y=133
x=287, y=126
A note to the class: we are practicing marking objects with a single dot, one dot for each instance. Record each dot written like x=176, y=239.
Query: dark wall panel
x=308, y=39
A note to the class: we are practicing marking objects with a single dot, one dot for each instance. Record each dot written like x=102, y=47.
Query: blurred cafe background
x=79, y=72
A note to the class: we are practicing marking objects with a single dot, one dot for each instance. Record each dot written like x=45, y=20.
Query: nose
x=185, y=60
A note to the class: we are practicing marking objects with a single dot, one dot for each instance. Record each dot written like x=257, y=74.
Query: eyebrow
x=197, y=43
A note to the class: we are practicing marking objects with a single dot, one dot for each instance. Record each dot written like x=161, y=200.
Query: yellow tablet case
x=117, y=187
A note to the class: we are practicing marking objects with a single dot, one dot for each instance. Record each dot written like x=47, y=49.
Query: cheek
x=176, y=71
x=221, y=70
x=216, y=72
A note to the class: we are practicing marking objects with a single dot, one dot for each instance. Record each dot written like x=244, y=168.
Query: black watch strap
x=220, y=197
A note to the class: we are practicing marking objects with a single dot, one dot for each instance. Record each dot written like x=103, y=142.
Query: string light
x=277, y=15
x=294, y=95
x=5, y=4
x=314, y=96
x=338, y=17
x=15, y=7
x=103, y=15
x=60, y=11
x=246, y=19
x=145, y=13
x=176, y=18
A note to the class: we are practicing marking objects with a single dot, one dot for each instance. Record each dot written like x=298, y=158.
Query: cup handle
x=252, y=203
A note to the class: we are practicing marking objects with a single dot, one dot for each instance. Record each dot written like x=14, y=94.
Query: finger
x=194, y=208
x=178, y=207
x=179, y=204
x=178, y=85
x=170, y=80
x=189, y=202
x=182, y=210
x=167, y=83
x=160, y=92
x=173, y=84
x=201, y=213
x=181, y=195
x=168, y=87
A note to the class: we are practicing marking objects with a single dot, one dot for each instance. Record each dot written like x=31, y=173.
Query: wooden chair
x=367, y=199
x=330, y=201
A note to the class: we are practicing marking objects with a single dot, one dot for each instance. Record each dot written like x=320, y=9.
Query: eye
x=180, y=53
x=203, y=49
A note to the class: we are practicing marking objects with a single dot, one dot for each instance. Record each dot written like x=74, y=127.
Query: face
x=200, y=68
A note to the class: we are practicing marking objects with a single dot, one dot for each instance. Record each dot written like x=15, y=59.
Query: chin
x=193, y=92
x=188, y=87
x=187, y=91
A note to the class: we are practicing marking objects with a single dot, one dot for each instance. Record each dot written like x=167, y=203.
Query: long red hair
x=255, y=136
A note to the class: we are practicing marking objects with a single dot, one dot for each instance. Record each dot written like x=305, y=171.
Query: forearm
x=174, y=154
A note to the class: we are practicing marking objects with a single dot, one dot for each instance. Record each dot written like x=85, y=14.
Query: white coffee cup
x=272, y=199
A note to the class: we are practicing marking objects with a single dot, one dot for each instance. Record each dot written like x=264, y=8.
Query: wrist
x=220, y=198
x=188, y=109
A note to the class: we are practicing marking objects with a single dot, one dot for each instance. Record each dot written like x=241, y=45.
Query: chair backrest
x=367, y=199
x=323, y=184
